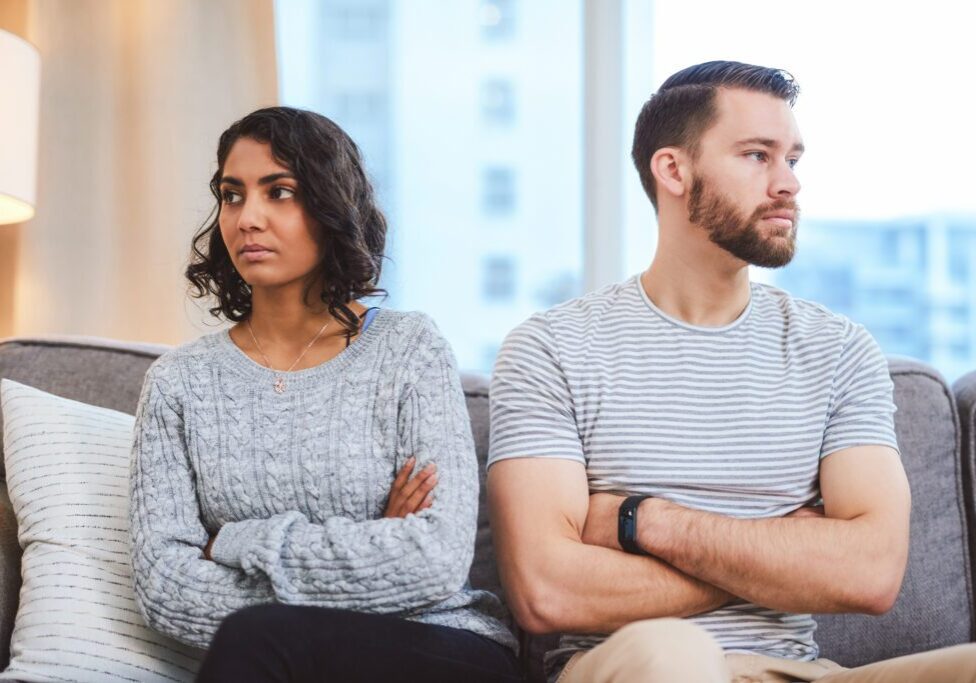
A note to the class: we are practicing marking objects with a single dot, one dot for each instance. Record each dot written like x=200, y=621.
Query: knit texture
x=295, y=484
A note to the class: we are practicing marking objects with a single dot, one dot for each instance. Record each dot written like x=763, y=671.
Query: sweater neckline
x=235, y=358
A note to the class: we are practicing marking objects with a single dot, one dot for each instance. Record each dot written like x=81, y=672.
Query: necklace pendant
x=279, y=385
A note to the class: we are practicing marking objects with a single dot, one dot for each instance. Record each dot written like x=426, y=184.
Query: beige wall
x=134, y=95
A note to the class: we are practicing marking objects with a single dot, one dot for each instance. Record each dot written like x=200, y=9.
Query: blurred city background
x=470, y=115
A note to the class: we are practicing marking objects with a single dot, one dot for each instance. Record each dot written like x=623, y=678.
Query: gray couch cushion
x=965, y=391
x=934, y=608
x=96, y=371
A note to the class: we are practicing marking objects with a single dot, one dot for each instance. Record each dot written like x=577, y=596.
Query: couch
x=936, y=428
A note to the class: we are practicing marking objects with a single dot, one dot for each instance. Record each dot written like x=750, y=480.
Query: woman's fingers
x=424, y=489
x=411, y=487
x=411, y=495
x=404, y=474
x=394, y=506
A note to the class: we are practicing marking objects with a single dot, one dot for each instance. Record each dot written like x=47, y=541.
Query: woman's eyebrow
x=264, y=180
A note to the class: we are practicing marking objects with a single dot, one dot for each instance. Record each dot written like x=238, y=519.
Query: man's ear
x=671, y=171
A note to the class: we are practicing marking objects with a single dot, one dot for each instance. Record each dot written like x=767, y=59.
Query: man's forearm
x=796, y=565
x=565, y=585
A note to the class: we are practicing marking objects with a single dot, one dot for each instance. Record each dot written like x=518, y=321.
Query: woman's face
x=264, y=225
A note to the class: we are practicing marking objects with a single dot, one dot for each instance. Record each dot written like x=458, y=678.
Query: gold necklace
x=279, y=382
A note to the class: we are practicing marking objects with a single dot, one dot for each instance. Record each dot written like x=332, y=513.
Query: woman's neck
x=288, y=322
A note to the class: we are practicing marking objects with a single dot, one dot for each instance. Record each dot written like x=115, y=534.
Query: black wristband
x=627, y=525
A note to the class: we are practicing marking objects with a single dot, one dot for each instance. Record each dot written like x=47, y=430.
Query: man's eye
x=279, y=192
x=792, y=162
x=758, y=156
x=230, y=197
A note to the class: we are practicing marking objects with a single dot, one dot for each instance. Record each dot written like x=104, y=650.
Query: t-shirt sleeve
x=532, y=411
x=862, y=408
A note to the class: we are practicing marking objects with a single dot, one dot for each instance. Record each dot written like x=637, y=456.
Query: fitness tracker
x=627, y=525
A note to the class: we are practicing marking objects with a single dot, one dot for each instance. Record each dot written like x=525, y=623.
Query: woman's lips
x=255, y=255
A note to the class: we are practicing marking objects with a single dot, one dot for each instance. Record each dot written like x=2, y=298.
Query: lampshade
x=20, y=91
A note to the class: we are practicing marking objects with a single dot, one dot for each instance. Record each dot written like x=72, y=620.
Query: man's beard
x=737, y=234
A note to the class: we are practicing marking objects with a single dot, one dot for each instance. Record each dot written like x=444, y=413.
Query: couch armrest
x=9, y=573
x=965, y=392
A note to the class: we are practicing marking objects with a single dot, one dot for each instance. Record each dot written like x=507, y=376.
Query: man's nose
x=785, y=183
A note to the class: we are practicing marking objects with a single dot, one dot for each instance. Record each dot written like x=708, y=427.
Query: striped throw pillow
x=68, y=477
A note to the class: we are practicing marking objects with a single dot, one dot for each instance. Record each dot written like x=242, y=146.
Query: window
x=497, y=19
x=498, y=191
x=499, y=279
x=362, y=20
x=472, y=133
x=497, y=102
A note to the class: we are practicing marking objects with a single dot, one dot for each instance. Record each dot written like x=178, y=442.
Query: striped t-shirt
x=732, y=420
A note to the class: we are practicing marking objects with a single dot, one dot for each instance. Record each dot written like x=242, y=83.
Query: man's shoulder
x=806, y=317
x=584, y=311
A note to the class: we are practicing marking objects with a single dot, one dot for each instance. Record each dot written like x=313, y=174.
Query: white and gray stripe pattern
x=68, y=477
x=733, y=420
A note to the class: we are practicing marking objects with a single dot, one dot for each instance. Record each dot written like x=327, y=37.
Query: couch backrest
x=935, y=605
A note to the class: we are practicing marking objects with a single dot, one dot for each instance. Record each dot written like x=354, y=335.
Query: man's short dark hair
x=682, y=110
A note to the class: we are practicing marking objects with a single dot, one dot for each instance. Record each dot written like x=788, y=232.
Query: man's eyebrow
x=769, y=142
x=264, y=180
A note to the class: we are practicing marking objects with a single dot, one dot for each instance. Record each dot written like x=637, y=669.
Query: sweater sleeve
x=179, y=593
x=383, y=565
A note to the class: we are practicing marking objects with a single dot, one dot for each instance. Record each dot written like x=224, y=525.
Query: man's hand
x=601, y=520
x=848, y=556
x=408, y=495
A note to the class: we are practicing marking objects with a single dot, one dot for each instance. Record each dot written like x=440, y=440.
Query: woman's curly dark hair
x=348, y=227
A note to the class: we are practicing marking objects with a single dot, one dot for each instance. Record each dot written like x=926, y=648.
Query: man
x=725, y=411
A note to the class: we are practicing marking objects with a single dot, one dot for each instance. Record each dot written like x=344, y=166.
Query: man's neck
x=697, y=285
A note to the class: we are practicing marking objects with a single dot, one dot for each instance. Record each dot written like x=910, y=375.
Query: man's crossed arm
x=564, y=571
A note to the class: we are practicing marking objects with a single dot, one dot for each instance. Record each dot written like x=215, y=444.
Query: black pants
x=279, y=643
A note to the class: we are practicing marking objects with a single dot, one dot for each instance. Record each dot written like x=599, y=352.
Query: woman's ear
x=671, y=174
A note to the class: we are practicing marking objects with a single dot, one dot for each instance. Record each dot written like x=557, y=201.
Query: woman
x=304, y=489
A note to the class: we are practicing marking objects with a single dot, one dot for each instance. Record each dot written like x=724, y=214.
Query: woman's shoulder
x=415, y=339
x=408, y=330
x=177, y=360
x=408, y=322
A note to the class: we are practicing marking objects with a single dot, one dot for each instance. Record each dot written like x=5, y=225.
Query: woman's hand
x=411, y=495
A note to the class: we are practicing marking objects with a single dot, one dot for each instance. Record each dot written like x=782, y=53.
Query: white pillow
x=68, y=477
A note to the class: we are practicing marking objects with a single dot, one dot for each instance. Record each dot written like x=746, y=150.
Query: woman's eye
x=230, y=197
x=279, y=192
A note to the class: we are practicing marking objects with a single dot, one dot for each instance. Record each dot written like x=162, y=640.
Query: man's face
x=743, y=186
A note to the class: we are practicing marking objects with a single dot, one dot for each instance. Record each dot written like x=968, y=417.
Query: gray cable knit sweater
x=296, y=483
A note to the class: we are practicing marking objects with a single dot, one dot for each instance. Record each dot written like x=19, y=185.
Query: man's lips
x=783, y=219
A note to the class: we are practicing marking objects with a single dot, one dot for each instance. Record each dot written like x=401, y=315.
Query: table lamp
x=20, y=89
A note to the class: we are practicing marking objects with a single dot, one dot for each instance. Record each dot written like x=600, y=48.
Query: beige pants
x=678, y=651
